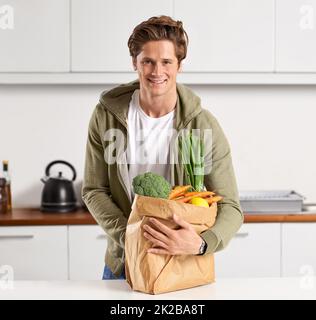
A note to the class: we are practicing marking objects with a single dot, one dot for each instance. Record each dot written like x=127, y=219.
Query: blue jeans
x=108, y=275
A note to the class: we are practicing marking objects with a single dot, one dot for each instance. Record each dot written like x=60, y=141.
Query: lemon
x=199, y=202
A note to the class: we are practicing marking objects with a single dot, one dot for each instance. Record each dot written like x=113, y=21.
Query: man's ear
x=180, y=67
x=134, y=64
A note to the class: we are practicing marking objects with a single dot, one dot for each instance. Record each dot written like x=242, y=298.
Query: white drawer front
x=87, y=245
x=37, y=39
x=112, y=21
x=253, y=252
x=230, y=46
x=295, y=36
x=298, y=249
x=35, y=253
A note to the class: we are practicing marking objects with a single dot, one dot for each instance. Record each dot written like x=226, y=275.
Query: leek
x=191, y=149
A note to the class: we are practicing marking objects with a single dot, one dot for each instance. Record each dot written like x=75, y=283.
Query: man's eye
x=146, y=62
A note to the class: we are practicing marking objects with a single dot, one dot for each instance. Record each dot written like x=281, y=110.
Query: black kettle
x=58, y=194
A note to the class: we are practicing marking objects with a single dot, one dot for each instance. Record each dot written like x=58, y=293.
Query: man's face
x=157, y=67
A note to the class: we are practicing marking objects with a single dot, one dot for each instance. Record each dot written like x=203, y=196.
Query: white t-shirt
x=148, y=141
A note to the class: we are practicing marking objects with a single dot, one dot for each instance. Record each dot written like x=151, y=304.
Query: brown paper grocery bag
x=153, y=273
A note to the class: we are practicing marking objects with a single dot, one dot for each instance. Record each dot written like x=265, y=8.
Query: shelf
x=291, y=217
x=192, y=78
x=33, y=216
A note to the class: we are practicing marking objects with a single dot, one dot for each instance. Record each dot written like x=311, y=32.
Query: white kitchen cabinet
x=87, y=246
x=77, y=252
x=253, y=252
x=34, y=36
x=296, y=36
x=35, y=253
x=228, y=35
x=101, y=28
x=298, y=249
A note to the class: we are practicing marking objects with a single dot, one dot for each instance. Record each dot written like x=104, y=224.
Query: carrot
x=181, y=195
x=211, y=200
x=196, y=194
x=201, y=194
x=175, y=193
x=217, y=198
x=188, y=198
x=184, y=199
x=178, y=198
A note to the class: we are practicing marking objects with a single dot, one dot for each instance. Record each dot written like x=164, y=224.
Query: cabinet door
x=296, y=35
x=34, y=35
x=253, y=252
x=228, y=35
x=87, y=246
x=35, y=253
x=298, y=249
x=101, y=28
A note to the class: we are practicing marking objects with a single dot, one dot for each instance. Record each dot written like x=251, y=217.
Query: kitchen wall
x=271, y=130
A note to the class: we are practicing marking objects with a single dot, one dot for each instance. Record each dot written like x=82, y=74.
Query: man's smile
x=157, y=81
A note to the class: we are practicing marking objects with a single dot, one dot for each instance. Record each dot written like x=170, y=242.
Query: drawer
x=255, y=251
x=298, y=249
x=35, y=253
x=87, y=246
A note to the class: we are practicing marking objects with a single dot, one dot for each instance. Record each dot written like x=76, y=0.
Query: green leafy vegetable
x=152, y=185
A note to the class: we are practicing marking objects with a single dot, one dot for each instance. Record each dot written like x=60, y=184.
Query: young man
x=142, y=113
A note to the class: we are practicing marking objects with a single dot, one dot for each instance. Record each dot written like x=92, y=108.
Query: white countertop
x=234, y=288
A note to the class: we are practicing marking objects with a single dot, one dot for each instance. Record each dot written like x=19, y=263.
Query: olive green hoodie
x=106, y=188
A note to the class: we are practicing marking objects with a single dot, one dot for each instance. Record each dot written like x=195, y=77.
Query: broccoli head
x=151, y=185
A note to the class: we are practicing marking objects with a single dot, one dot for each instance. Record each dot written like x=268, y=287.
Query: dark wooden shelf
x=291, y=217
x=33, y=216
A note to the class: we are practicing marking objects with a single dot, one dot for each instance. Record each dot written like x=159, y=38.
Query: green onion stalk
x=191, y=149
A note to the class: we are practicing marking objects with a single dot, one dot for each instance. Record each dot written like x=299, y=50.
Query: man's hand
x=168, y=241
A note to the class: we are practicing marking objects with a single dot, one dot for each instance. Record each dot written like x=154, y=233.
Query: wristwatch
x=202, y=247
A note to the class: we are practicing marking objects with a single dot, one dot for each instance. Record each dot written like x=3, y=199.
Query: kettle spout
x=44, y=180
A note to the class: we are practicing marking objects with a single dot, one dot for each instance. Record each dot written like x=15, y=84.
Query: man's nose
x=157, y=69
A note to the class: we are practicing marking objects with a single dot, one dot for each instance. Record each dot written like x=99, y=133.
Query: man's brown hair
x=159, y=28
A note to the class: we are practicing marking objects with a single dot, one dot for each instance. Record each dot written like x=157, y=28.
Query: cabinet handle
x=101, y=236
x=20, y=236
x=242, y=235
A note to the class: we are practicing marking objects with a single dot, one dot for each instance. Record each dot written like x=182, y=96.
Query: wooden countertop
x=33, y=216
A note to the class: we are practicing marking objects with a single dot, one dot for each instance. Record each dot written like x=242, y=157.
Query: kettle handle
x=62, y=162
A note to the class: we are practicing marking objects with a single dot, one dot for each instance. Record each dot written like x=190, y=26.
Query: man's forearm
x=228, y=221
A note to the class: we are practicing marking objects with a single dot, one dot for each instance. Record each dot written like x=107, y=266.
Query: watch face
x=202, y=248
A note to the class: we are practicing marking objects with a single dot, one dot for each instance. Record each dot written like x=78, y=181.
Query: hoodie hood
x=117, y=102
